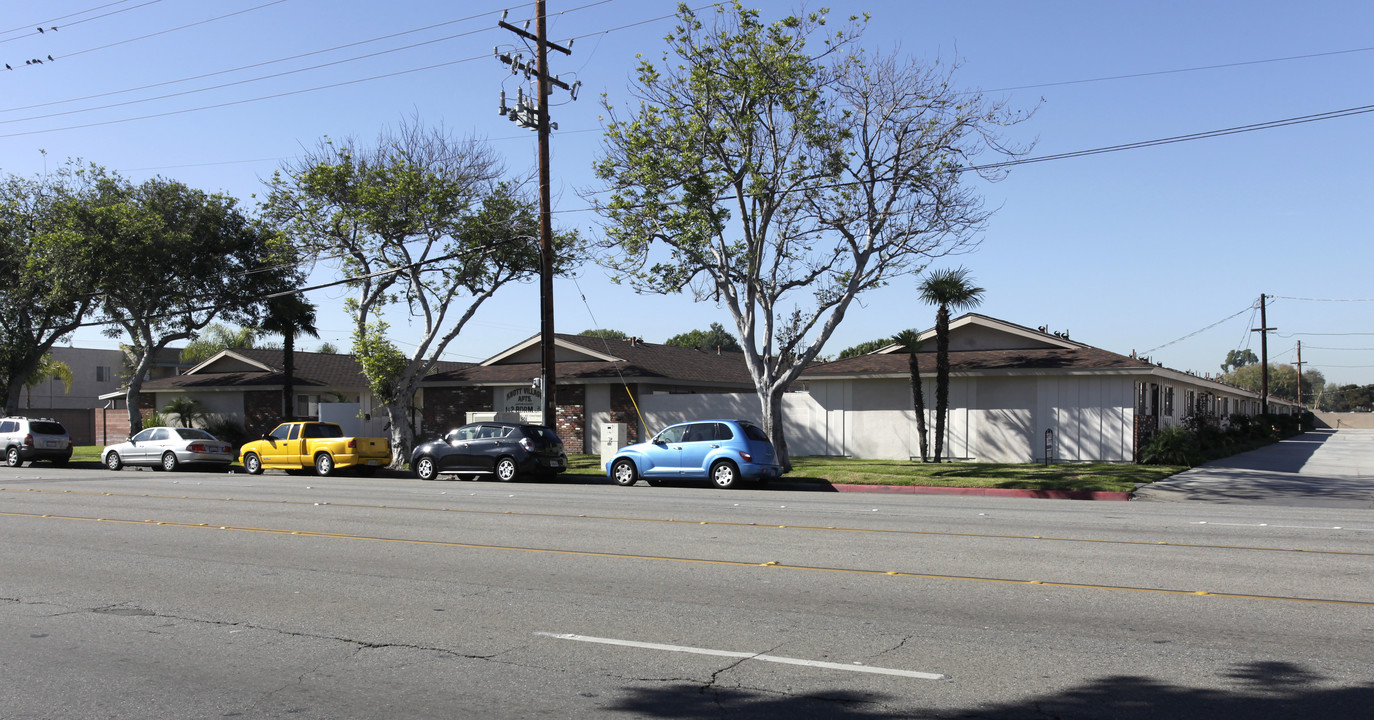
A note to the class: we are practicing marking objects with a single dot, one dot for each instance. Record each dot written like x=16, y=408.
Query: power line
x=1198, y=332
x=1198, y=68
x=267, y=62
x=29, y=27
x=1324, y=299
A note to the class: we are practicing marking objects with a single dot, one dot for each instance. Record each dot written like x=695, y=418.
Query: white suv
x=28, y=439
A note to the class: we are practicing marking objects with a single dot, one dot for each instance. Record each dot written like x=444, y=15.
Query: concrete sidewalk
x=1322, y=468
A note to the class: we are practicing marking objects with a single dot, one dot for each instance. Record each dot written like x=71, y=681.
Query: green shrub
x=230, y=431
x=1174, y=445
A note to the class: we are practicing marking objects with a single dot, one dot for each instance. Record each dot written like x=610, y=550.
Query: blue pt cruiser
x=725, y=451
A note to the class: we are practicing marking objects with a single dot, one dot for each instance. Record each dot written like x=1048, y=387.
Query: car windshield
x=194, y=434
x=47, y=428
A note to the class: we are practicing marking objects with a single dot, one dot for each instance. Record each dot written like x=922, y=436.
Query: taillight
x=746, y=456
x=195, y=448
x=352, y=442
x=526, y=444
x=28, y=439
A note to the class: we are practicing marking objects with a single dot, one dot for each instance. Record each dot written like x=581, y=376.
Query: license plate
x=555, y=463
x=372, y=462
x=51, y=443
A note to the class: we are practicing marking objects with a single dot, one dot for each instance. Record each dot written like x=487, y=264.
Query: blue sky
x=1132, y=250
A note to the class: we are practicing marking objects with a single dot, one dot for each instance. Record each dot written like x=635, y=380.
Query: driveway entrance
x=1323, y=468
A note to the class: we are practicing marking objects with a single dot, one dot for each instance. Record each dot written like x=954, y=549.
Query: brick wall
x=571, y=422
x=448, y=407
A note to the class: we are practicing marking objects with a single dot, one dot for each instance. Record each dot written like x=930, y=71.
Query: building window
x=1169, y=401
x=102, y=373
x=307, y=406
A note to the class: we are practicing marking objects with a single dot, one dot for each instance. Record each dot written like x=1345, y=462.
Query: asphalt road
x=144, y=594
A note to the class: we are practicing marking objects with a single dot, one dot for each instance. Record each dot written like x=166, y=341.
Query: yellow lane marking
x=700, y=561
x=616, y=518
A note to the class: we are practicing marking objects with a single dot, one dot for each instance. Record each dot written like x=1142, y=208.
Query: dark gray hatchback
x=504, y=450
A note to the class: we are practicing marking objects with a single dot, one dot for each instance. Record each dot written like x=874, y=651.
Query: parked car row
x=725, y=452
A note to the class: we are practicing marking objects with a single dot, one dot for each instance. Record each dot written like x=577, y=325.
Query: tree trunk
x=288, y=346
x=400, y=433
x=941, y=377
x=918, y=399
x=773, y=425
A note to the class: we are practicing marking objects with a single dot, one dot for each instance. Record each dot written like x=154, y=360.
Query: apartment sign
x=519, y=399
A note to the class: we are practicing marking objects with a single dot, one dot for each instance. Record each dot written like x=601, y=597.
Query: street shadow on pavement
x=1260, y=690
x=1286, y=456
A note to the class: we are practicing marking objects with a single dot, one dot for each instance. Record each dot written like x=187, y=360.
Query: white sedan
x=169, y=448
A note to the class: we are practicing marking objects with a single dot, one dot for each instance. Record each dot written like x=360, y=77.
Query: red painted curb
x=987, y=492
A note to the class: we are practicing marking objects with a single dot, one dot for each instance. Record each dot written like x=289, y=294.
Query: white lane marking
x=746, y=656
x=1285, y=527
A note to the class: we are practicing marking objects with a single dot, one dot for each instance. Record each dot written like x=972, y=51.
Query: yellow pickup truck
x=300, y=445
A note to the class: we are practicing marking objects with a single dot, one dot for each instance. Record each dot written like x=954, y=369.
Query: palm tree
x=289, y=316
x=48, y=369
x=184, y=411
x=910, y=340
x=946, y=289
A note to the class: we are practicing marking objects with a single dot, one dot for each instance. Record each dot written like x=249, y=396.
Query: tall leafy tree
x=425, y=224
x=865, y=348
x=174, y=259
x=946, y=290
x=1283, y=381
x=215, y=338
x=764, y=165
x=289, y=316
x=604, y=333
x=910, y=340
x=1236, y=359
x=716, y=337
x=46, y=272
x=48, y=369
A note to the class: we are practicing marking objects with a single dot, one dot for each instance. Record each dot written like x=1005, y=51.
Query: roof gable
x=230, y=360
x=566, y=349
x=980, y=332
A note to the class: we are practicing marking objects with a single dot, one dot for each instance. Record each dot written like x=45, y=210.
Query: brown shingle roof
x=311, y=370
x=1085, y=358
x=638, y=360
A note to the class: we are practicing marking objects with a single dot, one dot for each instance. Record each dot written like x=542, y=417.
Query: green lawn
x=850, y=471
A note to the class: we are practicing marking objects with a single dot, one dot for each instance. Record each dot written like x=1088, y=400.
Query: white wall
x=991, y=419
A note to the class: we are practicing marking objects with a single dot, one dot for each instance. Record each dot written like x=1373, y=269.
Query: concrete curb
x=987, y=492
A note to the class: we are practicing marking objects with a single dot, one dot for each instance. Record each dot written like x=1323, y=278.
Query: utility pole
x=1299, y=364
x=1263, y=330
x=536, y=117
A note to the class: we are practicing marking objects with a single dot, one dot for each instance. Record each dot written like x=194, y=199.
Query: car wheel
x=425, y=468
x=624, y=473
x=252, y=464
x=505, y=469
x=113, y=461
x=12, y=457
x=724, y=474
x=324, y=464
x=169, y=461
